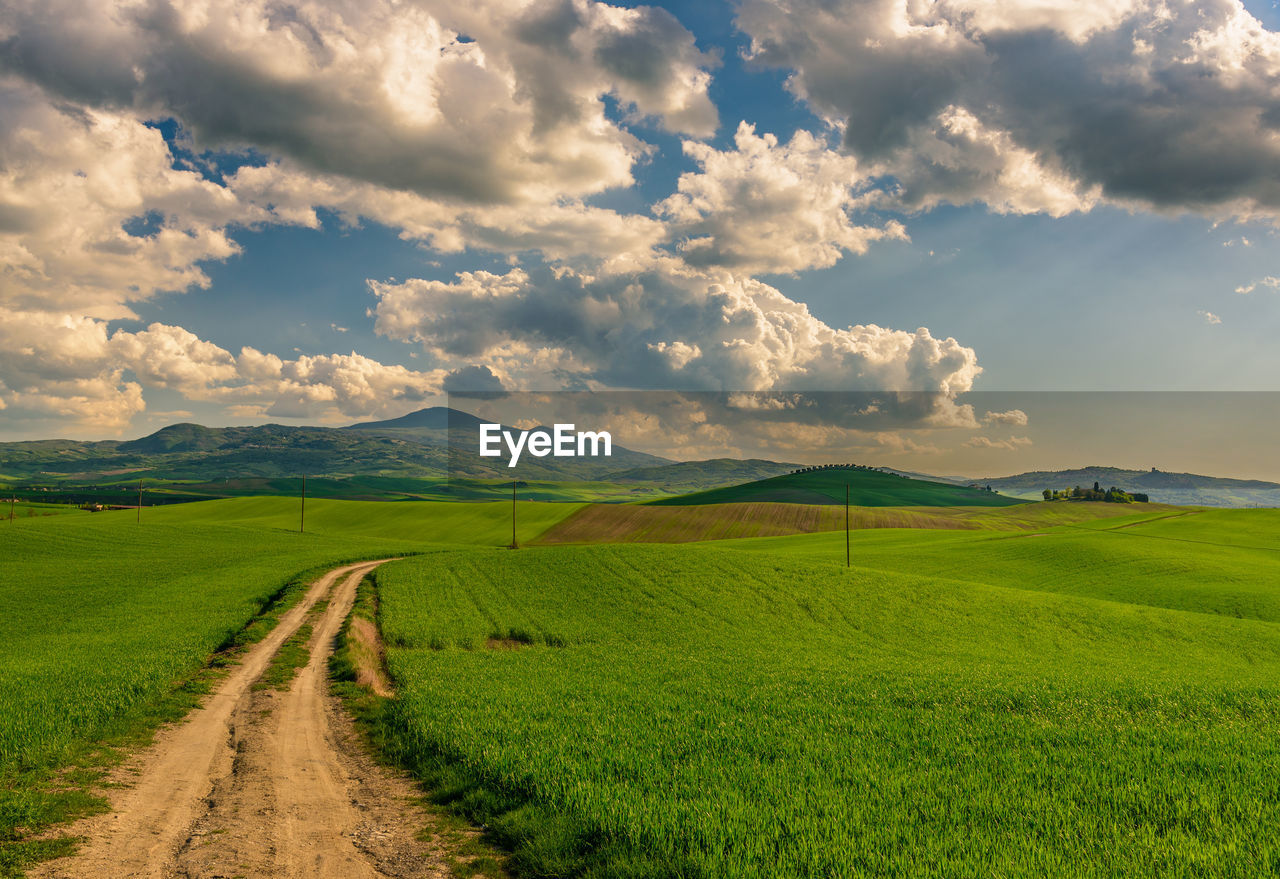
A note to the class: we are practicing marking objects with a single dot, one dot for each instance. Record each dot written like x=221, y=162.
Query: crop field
x=650, y=523
x=1045, y=689
x=101, y=618
x=24, y=509
x=1070, y=702
x=420, y=522
x=1181, y=561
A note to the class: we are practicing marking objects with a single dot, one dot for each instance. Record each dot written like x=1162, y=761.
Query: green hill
x=867, y=488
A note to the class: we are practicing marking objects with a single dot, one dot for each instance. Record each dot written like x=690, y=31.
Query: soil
x=265, y=782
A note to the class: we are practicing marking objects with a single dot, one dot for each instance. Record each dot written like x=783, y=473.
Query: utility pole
x=846, y=525
x=139, y=501
x=515, y=544
x=302, y=514
x=12, y=500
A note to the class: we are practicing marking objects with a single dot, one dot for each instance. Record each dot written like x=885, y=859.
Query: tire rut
x=265, y=782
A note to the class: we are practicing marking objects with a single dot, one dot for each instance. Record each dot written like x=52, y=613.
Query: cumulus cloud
x=493, y=101
x=768, y=207
x=1030, y=105
x=72, y=368
x=486, y=125
x=558, y=229
x=472, y=379
x=665, y=326
x=1209, y=317
x=1014, y=417
x=71, y=180
x=1012, y=444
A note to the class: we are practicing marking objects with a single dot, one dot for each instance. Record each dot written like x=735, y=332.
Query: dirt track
x=262, y=783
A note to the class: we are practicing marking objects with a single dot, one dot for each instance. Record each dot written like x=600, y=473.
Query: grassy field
x=1089, y=701
x=1041, y=689
x=24, y=509
x=424, y=522
x=104, y=622
x=649, y=523
x=868, y=488
x=1211, y=561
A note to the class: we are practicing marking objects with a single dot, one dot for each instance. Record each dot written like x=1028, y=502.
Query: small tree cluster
x=1111, y=495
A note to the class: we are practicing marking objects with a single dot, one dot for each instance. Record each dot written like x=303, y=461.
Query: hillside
x=958, y=703
x=427, y=444
x=651, y=523
x=1189, y=489
x=867, y=488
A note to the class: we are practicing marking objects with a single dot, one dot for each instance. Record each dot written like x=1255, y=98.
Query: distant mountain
x=1161, y=486
x=429, y=443
x=433, y=418
x=177, y=438
x=195, y=452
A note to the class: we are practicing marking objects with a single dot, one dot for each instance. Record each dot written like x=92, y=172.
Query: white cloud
x=70, y=180
x=1042, y=105
x=664, y=326
x=1209, y=317
x=484, y=125
x=766, y=207
x=491, y=101
x=1014, y=417
x=1012, y=444
x=70, y=367
x=558, y=229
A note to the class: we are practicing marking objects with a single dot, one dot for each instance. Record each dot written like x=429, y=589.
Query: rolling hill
x=1190, y=489
x=867, y=488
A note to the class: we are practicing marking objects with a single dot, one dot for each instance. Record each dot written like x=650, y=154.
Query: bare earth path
x=263, y=783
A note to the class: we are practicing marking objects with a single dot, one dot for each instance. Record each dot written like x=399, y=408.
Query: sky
x=257, y=211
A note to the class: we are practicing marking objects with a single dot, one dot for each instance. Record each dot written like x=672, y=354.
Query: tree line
x=1111, y=495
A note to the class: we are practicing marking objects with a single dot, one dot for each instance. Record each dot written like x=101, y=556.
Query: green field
x=653, y=523
x=102, y=619
x=1056, y=689
x=867, y=488
x=1075, y=703
x=24, y=509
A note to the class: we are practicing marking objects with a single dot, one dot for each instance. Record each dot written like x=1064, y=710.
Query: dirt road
x=263, y=783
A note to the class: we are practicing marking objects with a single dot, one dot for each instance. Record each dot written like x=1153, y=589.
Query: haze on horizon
x=326, y=212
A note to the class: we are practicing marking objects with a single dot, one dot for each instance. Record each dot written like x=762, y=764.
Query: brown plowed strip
x=624, y=523
x=644, y=523
x=264, y=783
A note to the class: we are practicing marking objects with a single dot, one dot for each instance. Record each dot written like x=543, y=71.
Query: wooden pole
x=12, y=500
x=302, y=513
x=139, y=501
x=846, y=525
x=515, y=544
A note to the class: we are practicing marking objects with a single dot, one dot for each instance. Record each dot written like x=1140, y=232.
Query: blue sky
x=288, y=231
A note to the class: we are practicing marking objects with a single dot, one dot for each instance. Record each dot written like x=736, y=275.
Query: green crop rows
x=753, y=709
x=102, y=618
x=1083, y=698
